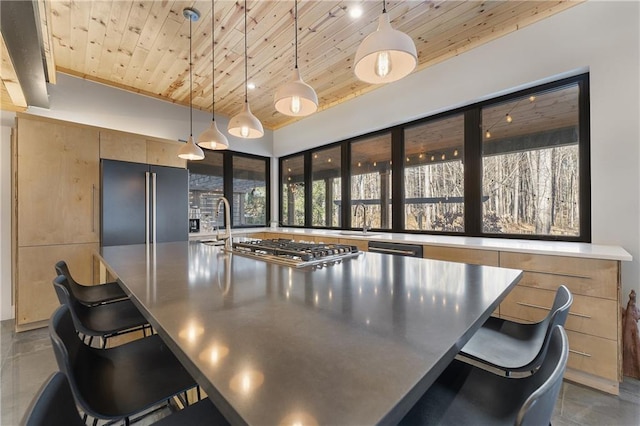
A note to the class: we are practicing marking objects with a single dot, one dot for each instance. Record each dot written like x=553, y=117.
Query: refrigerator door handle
x=153, y=206
x=146, y=207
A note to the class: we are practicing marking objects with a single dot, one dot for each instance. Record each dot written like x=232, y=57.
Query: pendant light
x=245, y=124
x=190, y=151
x=386, y=55
x=296, y=98
x=212, y=138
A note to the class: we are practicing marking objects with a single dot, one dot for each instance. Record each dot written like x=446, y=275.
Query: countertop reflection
x=351, y=343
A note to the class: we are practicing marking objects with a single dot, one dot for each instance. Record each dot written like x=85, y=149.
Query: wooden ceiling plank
x=116, y=27
x=9, y=79
x=135, y=23
x=61, y=32
x=96, y=35
x=160, y=56
x=44, y=11
x=79, y=33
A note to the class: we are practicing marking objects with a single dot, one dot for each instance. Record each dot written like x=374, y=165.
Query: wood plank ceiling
x=143, y=45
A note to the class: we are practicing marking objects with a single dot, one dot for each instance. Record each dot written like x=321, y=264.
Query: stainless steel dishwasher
x=399, y=249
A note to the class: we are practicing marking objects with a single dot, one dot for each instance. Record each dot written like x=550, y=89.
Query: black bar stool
x=54, y=405
x=468, y=395
x=104, y=321
x=91, y=294
x=517, y=347
x=120, y=382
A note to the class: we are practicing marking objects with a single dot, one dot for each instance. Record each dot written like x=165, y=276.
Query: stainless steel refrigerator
x=143, y=203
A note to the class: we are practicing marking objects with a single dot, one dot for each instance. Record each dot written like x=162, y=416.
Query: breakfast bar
x=357, y=341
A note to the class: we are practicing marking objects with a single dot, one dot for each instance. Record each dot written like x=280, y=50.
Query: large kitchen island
x=355, y=342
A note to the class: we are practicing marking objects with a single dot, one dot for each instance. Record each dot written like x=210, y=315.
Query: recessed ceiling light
x=355, y=11
x=251, y=86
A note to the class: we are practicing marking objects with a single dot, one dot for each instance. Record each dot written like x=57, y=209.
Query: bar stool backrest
x=546, y=382
x=66, y=297
x=53, y=405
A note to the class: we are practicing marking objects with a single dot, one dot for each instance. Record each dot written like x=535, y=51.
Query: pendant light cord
x=384, y=6
x=213, y=65
x=190, y=84
x=245, y=52
x=295, y=20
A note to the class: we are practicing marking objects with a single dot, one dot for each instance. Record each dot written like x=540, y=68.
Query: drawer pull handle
x=580, y=353
x=530, y=305
x=580, y=315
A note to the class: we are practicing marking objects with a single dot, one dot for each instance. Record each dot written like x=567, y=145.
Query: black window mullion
x=227, y=172
x=397, y=185
x=584, y=156
x=308, y=183
x=472, y=172
x=345, y=207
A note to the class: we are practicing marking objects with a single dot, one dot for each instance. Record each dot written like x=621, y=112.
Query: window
x=326, y=189
x=530, y=164
x=206, y=186
x=292, y=208
x=240, y=178
x=371, y=181
x=249, y=191
x=516, y=166
x=434, y=175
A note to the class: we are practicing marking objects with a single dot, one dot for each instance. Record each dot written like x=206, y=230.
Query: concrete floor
x=27, y=360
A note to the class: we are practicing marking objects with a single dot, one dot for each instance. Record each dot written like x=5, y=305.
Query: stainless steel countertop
x=354, y=343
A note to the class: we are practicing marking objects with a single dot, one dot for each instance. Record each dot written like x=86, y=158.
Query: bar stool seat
x=91, y=294
x=103, y=321
x=54, y=405
x=517, y=347
x=468, y=395
x=116, y=383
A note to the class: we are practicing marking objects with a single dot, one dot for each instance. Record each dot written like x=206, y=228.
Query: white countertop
x=554, y=248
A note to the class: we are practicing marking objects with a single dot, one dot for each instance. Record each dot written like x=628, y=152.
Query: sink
x=358, y=234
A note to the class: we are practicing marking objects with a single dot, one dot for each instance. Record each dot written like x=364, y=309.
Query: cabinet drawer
x=602, y=272
x=593, y=355
x=589, y=315
x=451, y=254
x=577, y=285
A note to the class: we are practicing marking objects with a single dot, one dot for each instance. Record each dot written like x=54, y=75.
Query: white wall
x=86, y=102
x=6, y=305
x=601, y=37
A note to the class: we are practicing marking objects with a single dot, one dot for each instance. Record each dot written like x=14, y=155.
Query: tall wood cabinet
x=56, y=196
x=57, y=177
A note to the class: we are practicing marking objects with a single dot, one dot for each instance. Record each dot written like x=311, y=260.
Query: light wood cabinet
x=164, y=153
x=454, y=254
x=35, y=297
x=124, y=146
x=593, y=324
x=57, y=211
x=58, y=183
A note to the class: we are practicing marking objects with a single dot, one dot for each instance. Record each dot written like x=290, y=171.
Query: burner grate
x=298, y=251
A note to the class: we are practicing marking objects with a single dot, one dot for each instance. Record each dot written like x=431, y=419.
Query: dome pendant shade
x=385, y=55
x=245, y=124
x=191, y=151
x=296, y=98
x=213, y=138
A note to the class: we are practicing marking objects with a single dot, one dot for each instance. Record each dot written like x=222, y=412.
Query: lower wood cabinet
x=35, y=297
x=593, y=324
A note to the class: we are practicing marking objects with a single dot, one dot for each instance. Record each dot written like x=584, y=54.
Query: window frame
x=227, y=176
x=473, y=167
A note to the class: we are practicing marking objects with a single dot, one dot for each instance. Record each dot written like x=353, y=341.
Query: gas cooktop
x=291, y=253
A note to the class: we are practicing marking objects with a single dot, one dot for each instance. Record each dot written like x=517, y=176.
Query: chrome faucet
x=365, y=227
x=226, y=237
